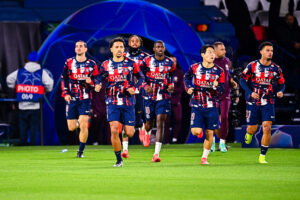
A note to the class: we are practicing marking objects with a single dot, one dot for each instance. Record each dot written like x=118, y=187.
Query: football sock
x=205, y=153
x=118, y=155
x=222, y=141
x=125, y=145
x=81, y=146
x=263, y=150
x=157, y=148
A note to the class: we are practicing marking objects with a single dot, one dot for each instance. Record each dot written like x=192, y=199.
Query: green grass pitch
x=43, y=173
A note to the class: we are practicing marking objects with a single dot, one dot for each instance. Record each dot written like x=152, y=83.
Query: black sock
x=263, y=150
x=118, y=155
x=81, y=146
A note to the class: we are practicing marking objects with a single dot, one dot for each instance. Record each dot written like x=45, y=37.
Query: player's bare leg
x=115, y=141
x=265, y=141
x=197, y=131
x=209, y=134
x=72, y=124
x=128, y=133
x=83, y=134
x=160, y=124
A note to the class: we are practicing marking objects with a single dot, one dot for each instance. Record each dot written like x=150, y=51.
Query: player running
x=77, y=81
x=158, y=70
x=224, y=99
x=120, y=90
x=204, y=81
x=136, y=54
x=262, y=81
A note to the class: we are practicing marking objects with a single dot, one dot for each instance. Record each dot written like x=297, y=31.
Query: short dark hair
x=263, y=44
x=84, y=43
x=216, y=44
x=141, y=41
x=117, y=39
x=159, y=41
x=206, y=46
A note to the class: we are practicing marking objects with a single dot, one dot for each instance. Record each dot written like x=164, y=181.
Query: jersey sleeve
x=188, y=76
x=171, y=75
x=93, y=75
x=221, y=81
x=103, y=74
x=247, y=72
x=139, y=75
x=246, y=75
x=280, y=78
x=64, y=81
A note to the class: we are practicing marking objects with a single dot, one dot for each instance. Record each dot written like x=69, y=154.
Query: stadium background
x=53, y=172
x=52, y=27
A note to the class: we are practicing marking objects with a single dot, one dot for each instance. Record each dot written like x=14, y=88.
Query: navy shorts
x=122, y=114
x=153, y=108
x=254, y=113
x=207, y=118
x=78, y=107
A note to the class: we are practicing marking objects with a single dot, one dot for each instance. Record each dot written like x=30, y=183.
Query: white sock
x=143, y=127
x=222, y=141
x=125, y=145
x=157, y=148
x=205, y=153
x=148, y=132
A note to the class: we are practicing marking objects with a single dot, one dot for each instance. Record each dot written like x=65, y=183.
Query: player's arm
x=94, y=75
x=144, y=68
x=139, y=76
x=188, y=76
x=171, y=78
x=219, y=83
x=64, y=83
x=101, y=77
x=246, y=75
x=281, y=83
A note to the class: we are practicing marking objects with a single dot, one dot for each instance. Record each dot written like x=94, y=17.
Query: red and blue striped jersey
x=138, y=58
x=73, y=78
x=158, y=75
x=202, y=79
x=262, y=80
x=120, y=77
